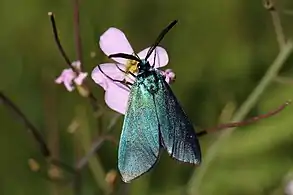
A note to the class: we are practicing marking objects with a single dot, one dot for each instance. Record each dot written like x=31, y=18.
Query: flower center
x=131, y=66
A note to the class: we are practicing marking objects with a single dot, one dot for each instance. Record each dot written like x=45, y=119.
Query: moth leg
x=135, y=54
x=125, y=71
x=123, y=82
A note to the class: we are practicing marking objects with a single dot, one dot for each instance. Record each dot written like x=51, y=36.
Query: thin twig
x=93, y=149
x=246, y=122
x=288, y=12
x=35, y=132
x=51, y=129
x=98, y=143
x=30, y=127
x=84, y=137
x=92, y=98
x=113, y=122
x=78, y=179
x=284, y=80
x=270, y=6
x=93, y=101
x=77, y=183
x=196, y=179
x=59, y=45
x=251, y=120
x=77, y=36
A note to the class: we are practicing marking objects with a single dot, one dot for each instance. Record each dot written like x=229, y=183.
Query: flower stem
x=45, y=151
x=58, y=43
x=270, y=6
x=85, y=139
x=284, y=80
x=91, y=97
x=250, y=120
x=244, y=109
x=77, y=36
x=98, y=143
x=30, y=127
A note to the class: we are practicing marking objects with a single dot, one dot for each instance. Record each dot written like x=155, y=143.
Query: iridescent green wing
x=178, y=135
x=139, y=142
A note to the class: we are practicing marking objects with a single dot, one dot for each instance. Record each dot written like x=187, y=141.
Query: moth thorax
x=151, y=83
x=153, y=88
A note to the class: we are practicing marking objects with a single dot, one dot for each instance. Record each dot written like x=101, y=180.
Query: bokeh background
x=219, y=51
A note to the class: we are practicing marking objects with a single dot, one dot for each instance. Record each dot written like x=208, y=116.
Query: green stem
x=197, y=177
x=85, y=141
x=270, y=6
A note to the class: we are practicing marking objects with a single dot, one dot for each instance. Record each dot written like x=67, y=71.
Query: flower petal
x=76, y=64
x=161, y=60
x=69, y=86
x=170, y=76
x=110, y=70
x=116, y=97
x=59, y=80
x=66, y=78
x=63, y=76
x=79, y=79
x=114, y=41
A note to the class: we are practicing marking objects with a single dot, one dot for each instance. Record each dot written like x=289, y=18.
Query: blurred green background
x=219, y=51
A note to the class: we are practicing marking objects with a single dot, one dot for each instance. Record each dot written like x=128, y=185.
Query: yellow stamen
x=131, y=67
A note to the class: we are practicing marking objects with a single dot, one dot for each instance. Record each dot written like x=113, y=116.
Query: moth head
x=134, y=63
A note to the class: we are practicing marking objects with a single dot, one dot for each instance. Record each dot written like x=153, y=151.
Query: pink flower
x=68, y=76
x=114, y=41
x=169, y=75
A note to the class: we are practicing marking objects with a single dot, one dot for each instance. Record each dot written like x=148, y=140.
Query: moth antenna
x=125, y=56
x=125, y=71
x=135, y=54
x=125, y=83
x=160, y=38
